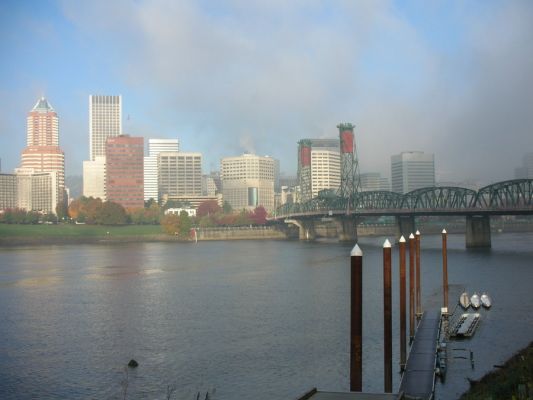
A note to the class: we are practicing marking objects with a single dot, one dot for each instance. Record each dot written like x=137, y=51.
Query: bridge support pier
x=346, y=229
x=405, y=225
x=306, y=228
x=477, y=231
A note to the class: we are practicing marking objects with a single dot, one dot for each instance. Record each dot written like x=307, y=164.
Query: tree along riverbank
x=512, y=380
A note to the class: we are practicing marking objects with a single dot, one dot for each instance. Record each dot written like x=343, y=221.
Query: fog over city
x=450, y=78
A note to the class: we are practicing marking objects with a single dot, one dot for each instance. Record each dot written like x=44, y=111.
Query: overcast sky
x=451, y=78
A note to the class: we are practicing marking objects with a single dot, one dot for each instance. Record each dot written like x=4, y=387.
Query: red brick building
x=125, y=171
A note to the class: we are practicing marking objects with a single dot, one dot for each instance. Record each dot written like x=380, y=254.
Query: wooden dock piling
x=445, y=268
x=387, y=315
x=418, y=289
x=411, y=287
x=403, y=351
x=356, y=320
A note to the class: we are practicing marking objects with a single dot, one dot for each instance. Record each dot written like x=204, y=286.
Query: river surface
x=243, y=319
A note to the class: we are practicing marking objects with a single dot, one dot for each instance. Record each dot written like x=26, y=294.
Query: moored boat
x=475, y=301
x=486, y=301
x=464, y=300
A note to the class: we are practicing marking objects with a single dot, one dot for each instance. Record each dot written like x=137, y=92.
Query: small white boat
x=486, y=300
x=475, y=301
x=464, y=300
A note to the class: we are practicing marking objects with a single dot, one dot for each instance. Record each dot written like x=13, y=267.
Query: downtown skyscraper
x=411, y=170
x=105, y=121
x=151, y=170
x=248, y=181
x=124, y=171
x=42, y=152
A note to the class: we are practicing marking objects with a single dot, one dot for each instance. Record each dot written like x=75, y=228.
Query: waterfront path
x=419, y=376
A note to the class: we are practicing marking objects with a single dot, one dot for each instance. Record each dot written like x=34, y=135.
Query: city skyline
x=436, y=78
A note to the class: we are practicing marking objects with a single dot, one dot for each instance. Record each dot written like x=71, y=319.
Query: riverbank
x=27, y=235
x=513, y=380
x=34, y=235
x=43, y=234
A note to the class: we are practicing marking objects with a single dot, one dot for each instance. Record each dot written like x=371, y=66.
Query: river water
x=242, y=319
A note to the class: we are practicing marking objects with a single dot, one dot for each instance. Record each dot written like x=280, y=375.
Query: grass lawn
x=64, y=230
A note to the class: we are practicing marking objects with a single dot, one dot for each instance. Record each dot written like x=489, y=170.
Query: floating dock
x=419, y=376
x=466, y=326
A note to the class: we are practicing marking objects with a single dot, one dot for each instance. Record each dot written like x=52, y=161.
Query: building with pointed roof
x=42, y=152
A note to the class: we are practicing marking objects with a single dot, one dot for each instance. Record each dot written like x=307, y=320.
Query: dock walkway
x=419, y=375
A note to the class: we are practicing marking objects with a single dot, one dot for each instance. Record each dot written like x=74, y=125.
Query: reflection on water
x=254, y=319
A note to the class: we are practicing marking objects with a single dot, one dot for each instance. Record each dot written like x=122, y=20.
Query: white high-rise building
x=8, y=191
x=209, y=187
x=105, y=120
x=322, y=169
x=372, y=181
x=34, y=190
x=248, y=181
x=411, y=170
x=94, y=178
x=325, y=170
x=155, y=146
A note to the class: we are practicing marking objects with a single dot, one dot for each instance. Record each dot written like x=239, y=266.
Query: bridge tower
x=304, y=170
x=350, y=179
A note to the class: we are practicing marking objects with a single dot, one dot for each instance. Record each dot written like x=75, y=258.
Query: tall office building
x=319, y=166
x=180, y=174
x=325, y=170
x=29, y=190
x=42, y=152
x=8, y=191
x=277, y=173
x=209, y=187
x=526, y=170
x=94, y=178
x=248, y=181
x=372, y=181
x=155, y=146
x=105, y=121
x=124, y=183
x=412, y=170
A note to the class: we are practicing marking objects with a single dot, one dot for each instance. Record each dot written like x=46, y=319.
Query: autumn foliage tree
x=208, y=207
x=259, y=215
x=150, y=215
x=170, y=224
x=179, y=225
x=94, y=211
x=111, y=213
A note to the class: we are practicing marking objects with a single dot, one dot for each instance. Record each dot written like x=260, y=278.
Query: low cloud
x=249, y=77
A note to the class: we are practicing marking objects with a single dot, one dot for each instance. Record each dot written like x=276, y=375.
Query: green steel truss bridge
x=513, y=197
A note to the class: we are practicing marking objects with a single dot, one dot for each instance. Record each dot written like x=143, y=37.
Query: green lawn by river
x=80, y=231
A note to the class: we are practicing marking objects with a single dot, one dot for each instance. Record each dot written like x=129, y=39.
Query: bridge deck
x=419, y=376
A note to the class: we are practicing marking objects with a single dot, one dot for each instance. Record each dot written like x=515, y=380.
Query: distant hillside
x=75, y=184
